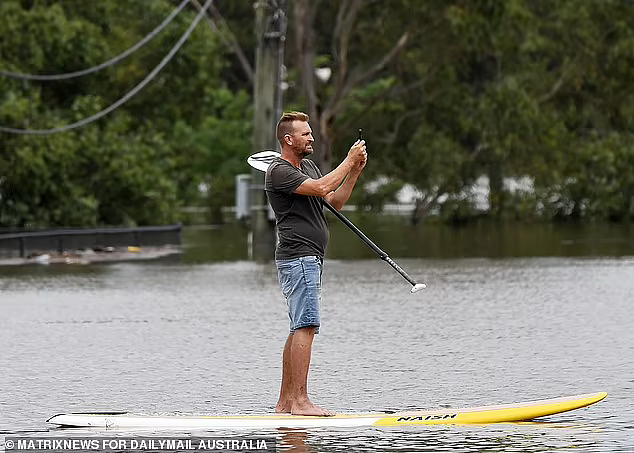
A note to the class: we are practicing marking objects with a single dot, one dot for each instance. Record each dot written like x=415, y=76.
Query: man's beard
x=304, y=152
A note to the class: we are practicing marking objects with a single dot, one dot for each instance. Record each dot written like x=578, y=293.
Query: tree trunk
x=303, y=20
x=322, y=114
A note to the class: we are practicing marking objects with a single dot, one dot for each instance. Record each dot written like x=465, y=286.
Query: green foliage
x=214, y=153
x=142, y=162
x=504, y=89
x=507, y=89
x=598, y=184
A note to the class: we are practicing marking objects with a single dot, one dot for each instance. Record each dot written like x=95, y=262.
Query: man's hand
x=358, y=157
x=358, y=154
x=359, y=167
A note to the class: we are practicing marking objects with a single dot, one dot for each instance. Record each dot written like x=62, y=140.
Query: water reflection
x=399, y=239
x=294, y=440
x=502, y=438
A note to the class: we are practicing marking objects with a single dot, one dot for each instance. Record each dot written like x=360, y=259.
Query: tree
x=505, y=89
x=325, y=99
x=128, y=168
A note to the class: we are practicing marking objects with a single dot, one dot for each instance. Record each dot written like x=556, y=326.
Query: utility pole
x=270, y=27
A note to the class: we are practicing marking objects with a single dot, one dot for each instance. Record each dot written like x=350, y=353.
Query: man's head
x=294, y=133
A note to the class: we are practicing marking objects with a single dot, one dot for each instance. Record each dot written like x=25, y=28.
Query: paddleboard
x=474, y=415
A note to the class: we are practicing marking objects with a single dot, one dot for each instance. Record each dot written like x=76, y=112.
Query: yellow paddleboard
x=473, y=415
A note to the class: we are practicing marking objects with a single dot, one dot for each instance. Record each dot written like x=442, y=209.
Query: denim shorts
x=300, y=279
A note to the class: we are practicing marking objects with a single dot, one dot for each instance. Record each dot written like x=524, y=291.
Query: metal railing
x=23, y=243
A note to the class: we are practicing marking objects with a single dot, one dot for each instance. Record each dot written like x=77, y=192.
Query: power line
x=108, y=63
x=125, y=98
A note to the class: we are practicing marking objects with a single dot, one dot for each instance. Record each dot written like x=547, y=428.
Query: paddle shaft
x=369, y=243
x=367, y=240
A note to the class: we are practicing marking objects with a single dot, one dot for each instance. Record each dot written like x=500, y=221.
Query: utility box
x=243, y=198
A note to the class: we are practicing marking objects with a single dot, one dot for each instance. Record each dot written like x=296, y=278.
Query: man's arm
x=323, y=186
x=340, y=196
x=327, y=183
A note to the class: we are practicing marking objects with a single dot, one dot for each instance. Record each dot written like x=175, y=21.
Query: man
x=296, y=189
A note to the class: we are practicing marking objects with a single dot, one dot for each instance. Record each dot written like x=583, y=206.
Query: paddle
x=263, y=159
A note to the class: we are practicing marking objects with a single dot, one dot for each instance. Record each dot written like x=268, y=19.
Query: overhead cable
x=104, y=65
x=125, y=98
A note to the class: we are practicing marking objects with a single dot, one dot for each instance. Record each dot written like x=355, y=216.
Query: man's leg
x=300, y=353
x=284, y=402
x=300, y=280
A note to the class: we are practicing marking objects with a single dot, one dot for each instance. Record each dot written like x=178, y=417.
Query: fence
x=24, y=243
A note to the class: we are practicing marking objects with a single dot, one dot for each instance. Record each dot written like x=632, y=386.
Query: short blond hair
x=285, y=124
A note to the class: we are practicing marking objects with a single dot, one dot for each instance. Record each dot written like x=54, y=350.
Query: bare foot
x=308, y=408
x=283, y=408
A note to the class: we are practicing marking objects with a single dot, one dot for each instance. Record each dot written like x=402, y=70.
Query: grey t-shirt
x=301, y=224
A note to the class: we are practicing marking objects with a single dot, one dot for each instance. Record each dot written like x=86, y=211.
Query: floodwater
x=194, y=336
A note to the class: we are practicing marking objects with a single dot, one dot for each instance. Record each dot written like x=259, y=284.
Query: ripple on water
x=207, y=339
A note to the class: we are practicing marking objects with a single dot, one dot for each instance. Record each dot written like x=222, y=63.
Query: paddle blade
x=262, y=160
x=417, y=287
